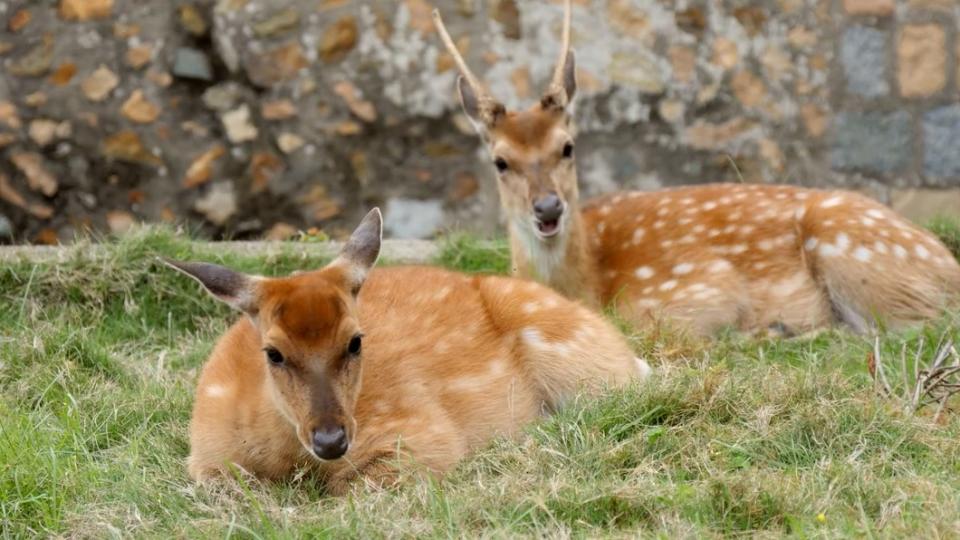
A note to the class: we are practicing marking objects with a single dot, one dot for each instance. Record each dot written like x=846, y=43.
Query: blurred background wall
x=249, y=118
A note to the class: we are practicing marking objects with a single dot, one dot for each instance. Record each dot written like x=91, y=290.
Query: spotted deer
x=711, y=256
x=341, y=371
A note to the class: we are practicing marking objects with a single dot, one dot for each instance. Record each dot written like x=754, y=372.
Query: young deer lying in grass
x=423, y=361
x=712, y=256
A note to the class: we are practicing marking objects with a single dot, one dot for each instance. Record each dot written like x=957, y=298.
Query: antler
x=472, y=79
x=476, y=99
x=557, y=81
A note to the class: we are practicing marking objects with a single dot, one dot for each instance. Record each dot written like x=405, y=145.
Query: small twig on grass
x=934, y=384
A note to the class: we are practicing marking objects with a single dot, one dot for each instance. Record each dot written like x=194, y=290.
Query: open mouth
x=548, y=228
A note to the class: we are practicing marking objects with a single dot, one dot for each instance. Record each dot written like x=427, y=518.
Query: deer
x=752, y=257
x=351, y=373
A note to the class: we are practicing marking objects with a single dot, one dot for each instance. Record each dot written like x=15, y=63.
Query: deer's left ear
x=361, y=251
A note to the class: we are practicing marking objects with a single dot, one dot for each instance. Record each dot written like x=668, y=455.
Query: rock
x=201, y=170
x=941, y=136
x=869, y=7
x=238, y=126
x=192, y=64
x=815, y=119
x=47, y=237
x=630, y=20
x=691, y=20
x=38, y=178
x=277, y=65
x=320, y=206
x=159, y=78
x=289, y=142
x=43, y=131
x=725, y=53
x=339, y=40
x=703, y=135
x=772, y=154
x=219, y=204
x=508, y=15
x=280, y=231
x=9, y=194
x=672, y=110
x=278, y=23
x=127, y=146
x=63, y=74
x=922, y=60
x=411, y=218
x=748, y=88
x=9, y=115
x=464, y=186
x=99, y=84
x=139, y=56
x=19, y=20
x=421, y=19
x=120, y=221
x=264, y=168
x=195, y=128
x=358, y=106
x=445, y=60
x=877, y=142
x=6, y=139
x=123, y=30
x=348, y=128
x=520, y=79
x=85, y=10
x=5, y=47
x=863, y=55
x=192, y=20
x=36, y=61
x=6, y=227
x=222, y=96
x=137, y=108
x=751, y=18
x=637, y=69
x=801, y=37
x=280, y=109
x=684, y=62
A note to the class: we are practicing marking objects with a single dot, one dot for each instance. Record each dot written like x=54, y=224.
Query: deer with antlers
x=345, y=371
x=710, y=256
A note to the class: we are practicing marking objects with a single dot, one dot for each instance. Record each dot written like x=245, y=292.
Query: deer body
x=449, y=361
x=709, y=256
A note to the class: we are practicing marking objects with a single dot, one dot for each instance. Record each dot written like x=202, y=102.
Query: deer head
x=310, y=336
x=532, y=150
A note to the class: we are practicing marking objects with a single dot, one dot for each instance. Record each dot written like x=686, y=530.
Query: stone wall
x=251, y=117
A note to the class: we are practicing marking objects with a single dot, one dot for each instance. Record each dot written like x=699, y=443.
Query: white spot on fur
x=831, y=202
x=530, y=307
x=685, y=221
x=719, y=265
x=688, y=239
x=683, y=269
x=686, y=201
x=667, y=244
x=899, y=251
x=922, y=252
x=800, y=212
x=747, y=229
x=880, y=247
x=648, y=303
x=862, y=254
x=876, y=214
x=709, y=205
x=766, y=244
x=216, y=390
x=867, y=222
x=605, y=210
x=659, y=224
x=647, y=290
x=663, y=211
x=699, y=228
x=638, y=235
x=668, y=285
x=643, y=368
x=842, y=241
x=644, y=272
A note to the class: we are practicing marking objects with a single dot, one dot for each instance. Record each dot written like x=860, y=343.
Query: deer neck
x=565, y=262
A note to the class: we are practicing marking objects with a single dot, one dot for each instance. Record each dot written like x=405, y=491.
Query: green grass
x=98, y=359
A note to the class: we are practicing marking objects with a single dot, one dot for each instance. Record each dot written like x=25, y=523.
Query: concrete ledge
x=394, y=251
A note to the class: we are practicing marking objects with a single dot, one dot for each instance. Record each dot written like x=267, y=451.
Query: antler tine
x=457, y=57
x=557, y=81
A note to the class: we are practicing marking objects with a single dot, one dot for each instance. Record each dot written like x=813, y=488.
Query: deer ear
x=233, y=288
x=361, y=251
x=560, y=94
x=468, y=100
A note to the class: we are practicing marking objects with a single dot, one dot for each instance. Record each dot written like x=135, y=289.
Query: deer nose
x=548, y=208
x=330, y=442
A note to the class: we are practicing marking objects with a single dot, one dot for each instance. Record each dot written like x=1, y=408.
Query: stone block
x=922, y=60
x=869, y=7
x=922, y=205
x=863, y=55
x=941, y=142
x=873, y=142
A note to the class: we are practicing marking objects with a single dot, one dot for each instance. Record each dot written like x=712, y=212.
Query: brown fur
x=449, y=361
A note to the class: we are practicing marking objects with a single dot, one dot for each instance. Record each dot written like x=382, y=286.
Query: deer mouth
x=547, y=228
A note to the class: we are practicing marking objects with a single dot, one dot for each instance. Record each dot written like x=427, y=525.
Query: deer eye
x=354, y=346
x=501, y=164
x=568, y=150
x=273, y=356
